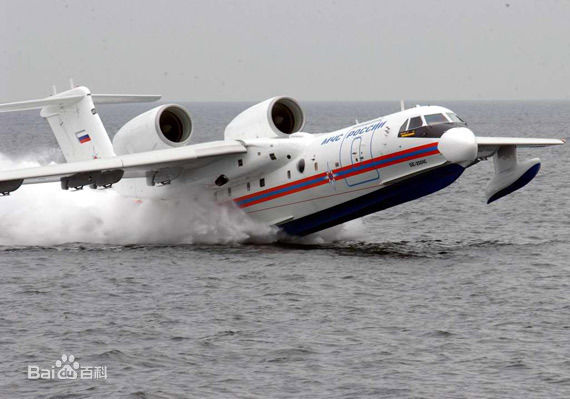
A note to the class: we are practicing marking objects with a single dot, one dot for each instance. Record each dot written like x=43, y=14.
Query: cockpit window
x=455, y=118
x=415, y=122
x=434, y=119
x=436, y=125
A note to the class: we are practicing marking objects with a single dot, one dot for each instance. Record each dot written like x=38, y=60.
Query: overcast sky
x=312, y=50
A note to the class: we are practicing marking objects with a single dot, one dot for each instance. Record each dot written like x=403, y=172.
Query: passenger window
x=262, y=182
x=288, y=174
x=434, y=119
x=240, y=162
x=316, y=166
x=229, y=191
x=248, y=186
x=415, y=123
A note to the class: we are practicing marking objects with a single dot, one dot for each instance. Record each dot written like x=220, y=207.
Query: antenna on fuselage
x=402, y=106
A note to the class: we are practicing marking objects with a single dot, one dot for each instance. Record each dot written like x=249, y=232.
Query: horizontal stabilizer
x=124, y=98
x=40, y=103
x=70, y=99
x=75, y=122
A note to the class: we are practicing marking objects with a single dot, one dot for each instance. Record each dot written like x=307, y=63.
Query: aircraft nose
x=458, y=144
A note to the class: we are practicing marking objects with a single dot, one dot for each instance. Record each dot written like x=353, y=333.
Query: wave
x=44, y=215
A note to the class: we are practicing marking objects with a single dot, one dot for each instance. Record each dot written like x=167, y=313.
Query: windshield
x=434, y=127
x=434, y=119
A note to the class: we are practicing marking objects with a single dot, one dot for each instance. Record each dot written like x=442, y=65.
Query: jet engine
x=275, y=117
x=160, y=128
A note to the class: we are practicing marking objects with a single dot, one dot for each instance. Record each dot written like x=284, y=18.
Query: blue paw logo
x=68, y=367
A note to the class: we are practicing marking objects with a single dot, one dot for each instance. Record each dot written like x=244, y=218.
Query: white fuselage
x=304, y=174
x=265, y=164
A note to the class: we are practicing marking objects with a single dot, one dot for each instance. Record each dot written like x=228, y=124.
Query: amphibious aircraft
x=266, y=164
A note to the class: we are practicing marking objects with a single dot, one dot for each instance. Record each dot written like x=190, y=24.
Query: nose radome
x=458, y=144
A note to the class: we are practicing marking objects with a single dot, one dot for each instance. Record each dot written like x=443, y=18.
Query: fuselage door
x=355, y=151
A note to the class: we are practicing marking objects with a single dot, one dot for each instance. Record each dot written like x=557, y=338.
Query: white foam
x=353, y=230
x=43, y=214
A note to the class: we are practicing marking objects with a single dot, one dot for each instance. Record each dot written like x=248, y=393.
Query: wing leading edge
x=510, y=173
x=104, y=172
x=488, y=146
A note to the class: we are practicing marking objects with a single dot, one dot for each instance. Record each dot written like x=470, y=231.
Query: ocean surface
x=444, y=297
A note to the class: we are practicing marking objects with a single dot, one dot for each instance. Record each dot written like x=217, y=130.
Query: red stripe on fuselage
x=296, y=190
x=396, y=161
x=293, y=183
x=348, y=167
x=383, y=157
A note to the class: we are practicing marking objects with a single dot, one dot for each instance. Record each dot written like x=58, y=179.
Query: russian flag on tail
x=83, y=137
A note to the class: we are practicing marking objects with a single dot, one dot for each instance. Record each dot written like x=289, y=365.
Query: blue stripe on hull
x=408, y=190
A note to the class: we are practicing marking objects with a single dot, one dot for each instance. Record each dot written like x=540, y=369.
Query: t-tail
x=75, y=122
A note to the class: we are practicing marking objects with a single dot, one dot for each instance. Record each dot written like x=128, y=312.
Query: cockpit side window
x=455, y=118
x=415, y=122
x=403, y=128
x=434, y=119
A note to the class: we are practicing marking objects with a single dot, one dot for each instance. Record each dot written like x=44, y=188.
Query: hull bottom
x=387, y=197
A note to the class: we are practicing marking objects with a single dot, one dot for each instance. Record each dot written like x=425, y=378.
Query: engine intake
x=162, y=127
x=287, y=116
x=275, y=117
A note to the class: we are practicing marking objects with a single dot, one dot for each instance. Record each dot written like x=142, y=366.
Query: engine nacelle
x=160, y=128
x=276, y=117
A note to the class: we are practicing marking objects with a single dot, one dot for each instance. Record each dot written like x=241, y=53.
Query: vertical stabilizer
x=74, y=120
x=77, y=126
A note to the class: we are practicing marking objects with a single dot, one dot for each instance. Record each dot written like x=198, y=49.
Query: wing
x=510, y=173
x=159, y=166
x=488, y=146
